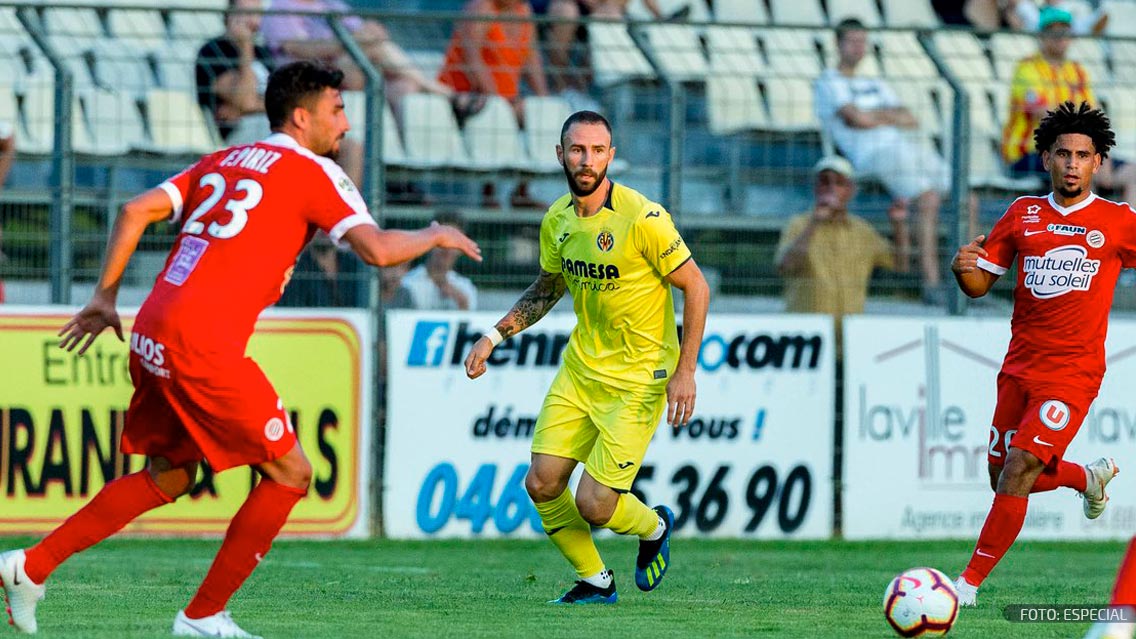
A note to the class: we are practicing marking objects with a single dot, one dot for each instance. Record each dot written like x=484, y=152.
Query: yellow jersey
x=614, y=264
x=1036, y=84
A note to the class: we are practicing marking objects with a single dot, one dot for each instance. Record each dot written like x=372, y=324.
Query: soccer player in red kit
x=245, y=214
x=1069, y=248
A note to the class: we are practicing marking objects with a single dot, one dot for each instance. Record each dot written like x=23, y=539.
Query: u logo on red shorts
x=1054, y=413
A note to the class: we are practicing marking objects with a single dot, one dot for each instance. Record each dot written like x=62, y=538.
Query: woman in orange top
x=488, y=55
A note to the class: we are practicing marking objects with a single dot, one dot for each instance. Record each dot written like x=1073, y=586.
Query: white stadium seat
x=865, y=11
x=677, y=51
x=734, y=104
x=177, y=124
x=430, y=133
x=355, y=106
x=493, y=138
x=544, y=118
x=909, y=14
x=615, y=56
x=797, y=13
x=741, y=12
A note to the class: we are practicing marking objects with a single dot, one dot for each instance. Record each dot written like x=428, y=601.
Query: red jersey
x=1068, y=260
x=246, y=213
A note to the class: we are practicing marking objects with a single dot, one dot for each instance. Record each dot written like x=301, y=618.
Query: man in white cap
x=827, y=255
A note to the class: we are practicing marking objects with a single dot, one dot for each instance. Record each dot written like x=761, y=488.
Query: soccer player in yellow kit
x=619, y=254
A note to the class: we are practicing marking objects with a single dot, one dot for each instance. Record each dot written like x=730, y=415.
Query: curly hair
x=1083, y=119
x=294, y=85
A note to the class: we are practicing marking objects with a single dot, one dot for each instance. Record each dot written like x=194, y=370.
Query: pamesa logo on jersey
x=605, y=241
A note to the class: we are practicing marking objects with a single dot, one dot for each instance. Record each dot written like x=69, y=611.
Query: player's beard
x=575, y=187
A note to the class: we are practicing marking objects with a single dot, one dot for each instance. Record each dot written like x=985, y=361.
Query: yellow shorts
x=608, y=429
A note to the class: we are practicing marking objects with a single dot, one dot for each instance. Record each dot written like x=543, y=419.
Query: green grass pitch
x=131, y=588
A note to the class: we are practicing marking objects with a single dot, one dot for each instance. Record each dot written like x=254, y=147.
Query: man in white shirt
x=433, y=285
x=872, y=128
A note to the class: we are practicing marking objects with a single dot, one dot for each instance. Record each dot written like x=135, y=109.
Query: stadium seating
x=615, y=56
x=355, y=106
x=109, y=123
x=177, y=125
x=544, y=117
x=797, y=13
x=865, y=11
x=909, y=14
x=142, y=28
x=431, y=134
x=493, y=138
x=741, y=12
x=677, y=51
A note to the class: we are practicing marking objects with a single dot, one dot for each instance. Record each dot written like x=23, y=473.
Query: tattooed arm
x=535, y=302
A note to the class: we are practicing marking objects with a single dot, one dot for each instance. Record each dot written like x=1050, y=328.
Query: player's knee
x=299, y=475
x=174, y=482
x=540, y=489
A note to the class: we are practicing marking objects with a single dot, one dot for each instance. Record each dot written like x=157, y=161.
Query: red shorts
x=186, y=409
x=1040, y=419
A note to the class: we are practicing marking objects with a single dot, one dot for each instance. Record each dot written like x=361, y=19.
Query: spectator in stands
x=569, y=79
x=870, y=127
x=391, y=289
x=984, y=15
x=1041, y=82
x=323, y=277
x=827, y=255
x=489, y=56
x=291, y=36
x=433, y=285
x=232, y=74
x=7, y=158
x=1025, y=15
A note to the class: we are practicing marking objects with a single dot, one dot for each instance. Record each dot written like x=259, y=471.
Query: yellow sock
x=632, y=517
x=570, y=533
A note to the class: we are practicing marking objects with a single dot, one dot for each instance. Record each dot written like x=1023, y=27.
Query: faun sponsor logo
x=1066, y=229
x=1059, y=271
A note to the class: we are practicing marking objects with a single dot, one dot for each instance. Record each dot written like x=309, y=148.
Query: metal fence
x=714, y=116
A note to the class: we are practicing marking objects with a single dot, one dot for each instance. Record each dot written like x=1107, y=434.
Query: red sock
x=246, y=542
x=116, y=505
x=1066, y=474
x=998, y=533
x=1124, y=594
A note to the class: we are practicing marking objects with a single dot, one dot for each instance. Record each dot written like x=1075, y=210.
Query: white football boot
x=968, y=594
x=20, y=594
x=1099, y=474
x=218, y=625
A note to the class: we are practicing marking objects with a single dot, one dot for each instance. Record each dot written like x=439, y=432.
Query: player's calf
x=21, y=594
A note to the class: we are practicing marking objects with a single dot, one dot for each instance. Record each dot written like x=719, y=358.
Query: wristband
x=494, y=336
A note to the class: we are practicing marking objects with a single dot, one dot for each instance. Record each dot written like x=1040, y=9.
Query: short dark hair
x=294, y=85
x=1082, y=119
x=583, y=117
x=846, y=25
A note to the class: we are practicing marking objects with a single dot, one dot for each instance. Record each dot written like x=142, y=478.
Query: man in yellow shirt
x=1041, y=82
x=618, y=253
x=827, y=255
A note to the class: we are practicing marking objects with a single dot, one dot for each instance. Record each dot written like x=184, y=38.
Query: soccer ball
x=921, y=602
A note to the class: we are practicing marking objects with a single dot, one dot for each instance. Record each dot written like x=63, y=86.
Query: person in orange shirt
x=489, y=56
x=1040, y=83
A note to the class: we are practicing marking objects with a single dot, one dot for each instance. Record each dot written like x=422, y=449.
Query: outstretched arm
x=384, y=247
x=535, y=302
x=142, y=211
